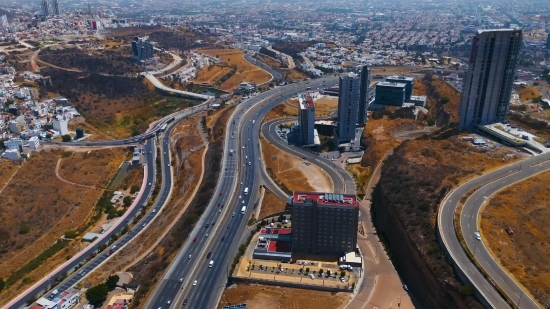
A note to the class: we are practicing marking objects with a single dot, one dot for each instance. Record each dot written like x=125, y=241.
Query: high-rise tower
x=45, y=9
x=490, y=76
x=348, y=101
x=55, y=7
x=364, y=96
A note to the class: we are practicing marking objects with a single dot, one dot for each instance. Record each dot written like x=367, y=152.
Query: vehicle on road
x=206, y=235
x=195, y=282
x=243, y=209
x=211, y=264
x=228, y=226
x=195, y=239
x=232, y=215
x=219, y=210
x=189, y=257
x=185, y=302
x=209, y=255
x=405, y=287
x=207, y=224
x=181, y=280
x=168, y=302
x=246, y=190
x=477, y=235
x=154, y=210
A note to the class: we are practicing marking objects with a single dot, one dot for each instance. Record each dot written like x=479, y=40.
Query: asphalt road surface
x=243, y=170
x=276, y=75
x=488, y=184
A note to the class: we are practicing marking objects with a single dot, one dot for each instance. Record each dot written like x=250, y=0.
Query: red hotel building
x=324, y=223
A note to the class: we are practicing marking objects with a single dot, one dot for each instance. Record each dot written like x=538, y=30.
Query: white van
x=246, y=190
x=211, y=264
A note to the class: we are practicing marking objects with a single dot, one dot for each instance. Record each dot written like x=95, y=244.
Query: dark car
x=223, y=238
x=185, y=302
x=209, y=255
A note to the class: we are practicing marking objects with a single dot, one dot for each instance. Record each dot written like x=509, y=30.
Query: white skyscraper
x=348, y=102
x=306, y=121
x=490, y=76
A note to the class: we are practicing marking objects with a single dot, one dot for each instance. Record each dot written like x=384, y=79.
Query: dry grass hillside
x=244, y=71
x=38, y=208
x=118, y=106
x=269, y=297
x=7, y=170
x=415, y=179
x=435, y=90
x=77, y=168
x=528, y=93
x=271, y=204
x=525, y=208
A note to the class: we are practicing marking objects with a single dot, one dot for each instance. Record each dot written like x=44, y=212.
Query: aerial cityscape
x=274, y=154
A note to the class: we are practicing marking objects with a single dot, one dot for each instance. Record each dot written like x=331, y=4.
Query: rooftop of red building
x=328, y=199
x=278, y=246
x=275, y=230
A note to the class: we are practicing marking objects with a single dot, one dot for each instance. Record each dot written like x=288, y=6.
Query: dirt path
x=7, y=182
x=66, y=181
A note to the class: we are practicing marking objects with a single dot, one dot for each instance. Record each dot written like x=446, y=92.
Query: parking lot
x=316, y=273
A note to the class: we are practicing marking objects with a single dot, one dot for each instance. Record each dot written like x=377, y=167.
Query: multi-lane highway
x=239, y=171
x=488, y=184
x=148, y=184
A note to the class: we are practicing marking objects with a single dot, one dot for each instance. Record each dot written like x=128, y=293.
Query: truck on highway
x=246, y=190
x=243, y=210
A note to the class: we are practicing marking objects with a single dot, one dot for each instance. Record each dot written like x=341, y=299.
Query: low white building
x=61, y=126
x=11, y=154
x=34, y=142
x=13, y=126
x=14, y=143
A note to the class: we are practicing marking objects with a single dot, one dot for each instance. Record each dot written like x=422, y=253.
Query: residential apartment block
x=490, y=76
x=348, y=102
x=364, y=95
x=324, y=223
x=306, y=121
x=390, y=93
x=142, y=48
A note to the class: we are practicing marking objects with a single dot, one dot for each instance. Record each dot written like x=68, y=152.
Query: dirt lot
x=281, y=111
x=525, y=208
x=245, y=71
x=7, y=170
x=211, y=74
x=188, y=173
x=291, y=171
x=271, y=204
x=293, y=75
x=377, y=136
x=30, y=226
x=528, y=93
x=270, y=297
x=77, y=167
x=269, y=61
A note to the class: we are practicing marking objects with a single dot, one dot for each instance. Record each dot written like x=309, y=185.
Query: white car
x=189, y=257
x=243, y=147
x=181, y=280
x=195, y=282
x=144, y=224
x=477, y=235
x=206, y=235
x=168, y=302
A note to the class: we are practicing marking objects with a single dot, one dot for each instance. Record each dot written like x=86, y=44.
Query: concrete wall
x=290, y=284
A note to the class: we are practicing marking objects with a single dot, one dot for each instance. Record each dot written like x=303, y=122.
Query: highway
x=228, y=229
x=276, y=75
x=148, y=184
x=488, y=184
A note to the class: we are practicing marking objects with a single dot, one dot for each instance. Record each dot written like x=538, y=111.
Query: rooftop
x=391, y=84
x=326, y=199
x=401, y=77
x=280, y=231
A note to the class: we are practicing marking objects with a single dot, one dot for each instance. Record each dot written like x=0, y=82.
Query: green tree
x=343, y=274
x=97, y=295
x=307, y=270
x=134, y=189
x=466, y=291
x=24, y=229
x=2, y=284
x=321, y=271
x=66, y=138
x=444, y=100
x=431, y=122
x=111, y=282
x=127, y=200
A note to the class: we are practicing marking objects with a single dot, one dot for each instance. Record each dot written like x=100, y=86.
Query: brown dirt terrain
x=293, y=75
x=269, y=297
x=281, y=111
x=525, y=208
x=88, y=129
x=211, y=74
x=291, y=172
x=68, y=207
x=7, y=169
x=413, y=182
x=271, y=204
x=77, y=168
x=435, y=89
x=528, y=93
x=269, y=61
x=246, y=72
